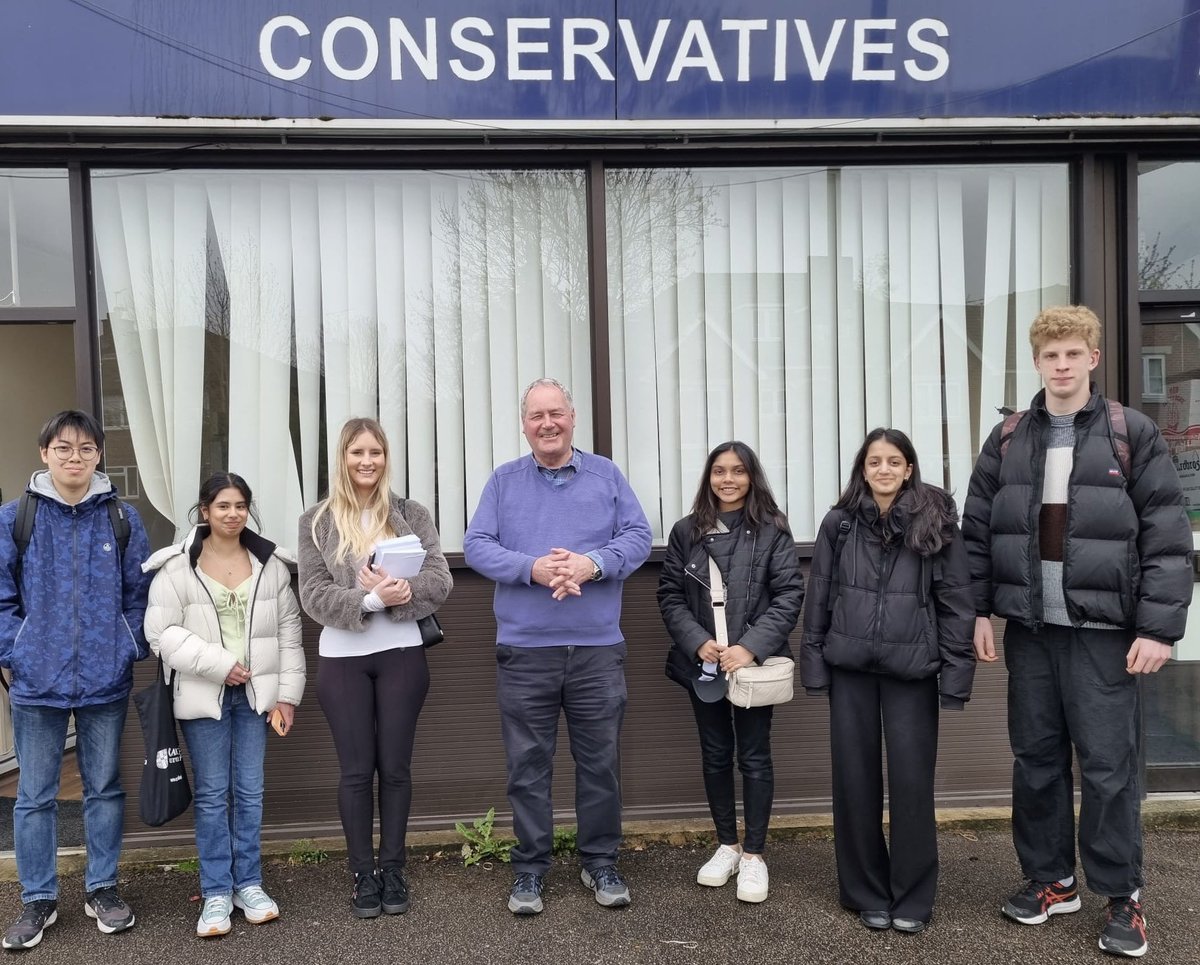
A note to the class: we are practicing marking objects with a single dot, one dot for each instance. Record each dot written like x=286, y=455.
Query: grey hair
x=550, y=383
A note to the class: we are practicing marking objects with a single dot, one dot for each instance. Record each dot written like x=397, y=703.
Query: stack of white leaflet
x=400, y=557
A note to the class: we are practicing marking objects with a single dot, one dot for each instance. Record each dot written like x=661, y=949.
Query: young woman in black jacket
x=887, y=629
x=736, y=523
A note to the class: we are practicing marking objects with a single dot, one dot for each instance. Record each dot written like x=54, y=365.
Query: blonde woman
x=372, y=676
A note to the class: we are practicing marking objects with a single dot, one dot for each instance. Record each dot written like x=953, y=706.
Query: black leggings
x=372, y=704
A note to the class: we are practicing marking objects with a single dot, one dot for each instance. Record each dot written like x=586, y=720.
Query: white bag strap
x=716, y=590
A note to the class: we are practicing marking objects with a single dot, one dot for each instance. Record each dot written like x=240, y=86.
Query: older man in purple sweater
x=560, y=531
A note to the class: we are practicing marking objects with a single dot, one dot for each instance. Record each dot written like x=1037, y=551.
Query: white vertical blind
x=427, y=299
x=799, y=308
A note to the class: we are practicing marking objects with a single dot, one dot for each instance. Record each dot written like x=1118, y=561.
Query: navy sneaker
x=525, y=895
x=1124, y=928
x=610, y=888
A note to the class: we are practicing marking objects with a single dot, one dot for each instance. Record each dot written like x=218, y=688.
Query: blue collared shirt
x=560, y=476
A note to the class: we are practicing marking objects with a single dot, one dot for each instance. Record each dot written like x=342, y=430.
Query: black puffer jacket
x=894, y=612
x=763, y=586
x=1127, y=554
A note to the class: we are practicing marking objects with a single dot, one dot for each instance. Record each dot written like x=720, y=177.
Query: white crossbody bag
x=757, y=685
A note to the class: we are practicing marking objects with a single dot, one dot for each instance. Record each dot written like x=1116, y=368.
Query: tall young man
x=71, y=608
x=1077, y=536
x=559, y=531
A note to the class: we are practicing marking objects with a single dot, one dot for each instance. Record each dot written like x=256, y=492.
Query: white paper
x=400, y=557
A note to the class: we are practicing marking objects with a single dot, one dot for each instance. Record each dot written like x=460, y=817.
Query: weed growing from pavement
x=564, y=841
x=481, y=843
x=190, y=865
x=306, y=851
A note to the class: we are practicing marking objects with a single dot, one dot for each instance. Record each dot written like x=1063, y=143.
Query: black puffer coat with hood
x=888, y=610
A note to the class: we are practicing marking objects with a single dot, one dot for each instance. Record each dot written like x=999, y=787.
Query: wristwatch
x=596, y=574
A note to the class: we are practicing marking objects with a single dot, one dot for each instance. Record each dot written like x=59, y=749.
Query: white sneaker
x=752, y=879
x=214, y=917
x=256, y=904
x=719, y=867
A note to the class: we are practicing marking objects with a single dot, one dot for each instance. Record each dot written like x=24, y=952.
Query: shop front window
x=797, y=308
x=249, y=314
x=35, y=239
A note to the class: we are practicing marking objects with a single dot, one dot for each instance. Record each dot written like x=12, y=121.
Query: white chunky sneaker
x=719, y=867
x=256, y=904
x=752, y=879
x=214, y=916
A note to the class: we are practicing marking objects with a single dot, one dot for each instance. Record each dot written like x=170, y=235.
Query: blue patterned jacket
x=71, y=631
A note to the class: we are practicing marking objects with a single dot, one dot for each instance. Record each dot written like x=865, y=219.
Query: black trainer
x=1124, y=928
x=34, y=919
x=367, y=901
x=395, y=891
x=110, y=912
x=525, y=895
x=1040, y=899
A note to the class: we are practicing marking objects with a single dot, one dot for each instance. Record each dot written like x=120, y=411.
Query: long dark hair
x=930, y=510
x=211, y=488
x=760, y=507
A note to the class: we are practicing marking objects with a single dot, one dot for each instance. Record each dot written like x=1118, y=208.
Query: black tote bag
x=165, y=791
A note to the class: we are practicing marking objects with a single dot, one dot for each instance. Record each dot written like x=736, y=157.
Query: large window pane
x=797, y=308
x=252, y=313
x=1168, y=231
x=35, y=239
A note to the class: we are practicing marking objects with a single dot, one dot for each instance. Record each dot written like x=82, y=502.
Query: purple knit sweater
x=522, y=516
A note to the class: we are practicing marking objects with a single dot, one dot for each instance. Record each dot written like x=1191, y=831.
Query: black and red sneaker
x=1041, y=899
x=1124, y=928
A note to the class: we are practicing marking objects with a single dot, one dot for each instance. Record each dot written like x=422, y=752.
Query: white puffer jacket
x=182, y=627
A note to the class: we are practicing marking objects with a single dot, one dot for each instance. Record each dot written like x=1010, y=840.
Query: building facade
x=228, y=227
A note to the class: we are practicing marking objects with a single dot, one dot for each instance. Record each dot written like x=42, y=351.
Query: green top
x=231, y=613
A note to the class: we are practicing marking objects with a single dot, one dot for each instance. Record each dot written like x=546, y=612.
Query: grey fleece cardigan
x=329, y=590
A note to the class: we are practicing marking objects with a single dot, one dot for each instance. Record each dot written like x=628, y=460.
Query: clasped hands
x=563, y=572
x=730, y=658
x=393, y=591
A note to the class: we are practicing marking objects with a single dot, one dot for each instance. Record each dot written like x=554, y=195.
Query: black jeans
x=723, y=727
x=587, y=684
x=1067, y=687
x=900, y=875
x=372, y=704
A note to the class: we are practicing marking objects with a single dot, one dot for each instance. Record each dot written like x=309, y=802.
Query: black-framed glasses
x=87, y=452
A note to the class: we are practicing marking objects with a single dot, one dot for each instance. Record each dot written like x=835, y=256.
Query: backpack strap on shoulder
x=1011, y=421
x=1118, y=434
x=835, y=583
x=118, y=516
x=23, y=523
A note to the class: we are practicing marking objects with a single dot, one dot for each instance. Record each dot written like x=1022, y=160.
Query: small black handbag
x=165, y=792
x=431, y=631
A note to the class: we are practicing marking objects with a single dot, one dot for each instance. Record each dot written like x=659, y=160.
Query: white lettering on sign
x=876, y=50
x=267, y=56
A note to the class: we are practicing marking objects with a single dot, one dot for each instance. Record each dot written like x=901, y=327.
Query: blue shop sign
x=556, y=61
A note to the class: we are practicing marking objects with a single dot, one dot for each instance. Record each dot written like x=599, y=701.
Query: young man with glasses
x=72, y=600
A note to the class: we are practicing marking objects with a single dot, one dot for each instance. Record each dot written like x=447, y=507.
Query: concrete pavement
x=459, y=914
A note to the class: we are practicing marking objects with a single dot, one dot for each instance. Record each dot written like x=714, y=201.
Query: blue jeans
x=39, y=734
x=227, y=762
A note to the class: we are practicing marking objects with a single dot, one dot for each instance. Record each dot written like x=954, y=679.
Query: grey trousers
x=533, y=685
x=1068, y=687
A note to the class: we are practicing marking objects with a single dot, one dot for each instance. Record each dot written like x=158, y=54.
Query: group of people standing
x=1074, y=532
